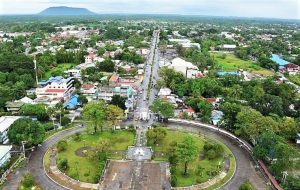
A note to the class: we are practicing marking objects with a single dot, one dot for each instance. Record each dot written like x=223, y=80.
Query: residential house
x=291, y=68
x=5, y=123
x=227, y=47
x=14, y=106
x=88, y=90
x=5, y=154
x=113, y=81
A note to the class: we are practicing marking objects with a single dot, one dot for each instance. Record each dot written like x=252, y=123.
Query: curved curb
x=218, y=186
x=49, y=176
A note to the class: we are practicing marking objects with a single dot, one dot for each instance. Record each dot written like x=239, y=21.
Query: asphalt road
x=245, y=169
x=35, y=164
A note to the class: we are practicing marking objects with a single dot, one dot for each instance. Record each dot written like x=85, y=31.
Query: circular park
x=192, y=159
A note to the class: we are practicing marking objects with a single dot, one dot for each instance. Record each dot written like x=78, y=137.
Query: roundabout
x=245, y=168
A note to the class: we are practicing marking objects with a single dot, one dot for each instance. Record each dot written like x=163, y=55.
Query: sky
x=287, y=9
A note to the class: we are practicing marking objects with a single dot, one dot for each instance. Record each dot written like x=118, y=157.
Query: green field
x=232, y=63
x=58, y=70
x=85, y=169
x=191, y=178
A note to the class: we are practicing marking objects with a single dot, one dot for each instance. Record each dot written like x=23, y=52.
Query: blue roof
x=277, y=59
x=73, y=102
x=222, y=73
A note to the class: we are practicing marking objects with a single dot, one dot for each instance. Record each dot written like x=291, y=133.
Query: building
x=113, y=81
x=188, y=69
x=186, y=43
x=298, y=138
x=5, y=123
x=227, y=47
x=89, y=58
x=88, y=90
x=4, y=154
x=56, y=88
x=14, y=107
x=291, y=68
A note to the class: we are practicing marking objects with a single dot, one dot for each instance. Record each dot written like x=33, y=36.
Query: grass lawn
x=232, y=63
x=59, y=70
x=191, y=178
x=83, y=168
x=295, y=79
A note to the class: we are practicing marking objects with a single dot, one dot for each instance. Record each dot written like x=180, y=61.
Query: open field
x=59, y=70
x=86, y=169
x=232, y=63
x=207, y=165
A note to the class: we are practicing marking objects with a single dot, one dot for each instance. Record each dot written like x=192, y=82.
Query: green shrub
x=77, y=137
x=27, y=181
x=174, y=181
x=65, y=121
x=246, y=186
x=62, y=146
x=63, y=165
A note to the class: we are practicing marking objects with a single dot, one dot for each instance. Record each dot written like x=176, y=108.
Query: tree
x=27, y=182
x=266, y=145
x=205, y=109
x=288, y=128
x=114, y=115
x=107, y=65
x=35, y=110
x=156, y=135
x=213, y=150
x=230, y=111
x=246, y=186
x=94, y=114
x=119, y=101
x=26, y=130
x=186, y=151
x=65, y=121
x=82, y=99
x=163, y=108
x=250, y=123
x=267, y=104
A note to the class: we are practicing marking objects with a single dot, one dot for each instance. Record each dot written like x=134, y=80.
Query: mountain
x=66, y=11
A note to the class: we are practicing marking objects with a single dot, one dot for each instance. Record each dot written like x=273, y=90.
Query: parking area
x=121, y=175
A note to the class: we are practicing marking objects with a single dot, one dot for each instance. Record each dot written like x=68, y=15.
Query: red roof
x=291, y=65
x=190, y=110
x=211, y=100
x=56, y=90
x=114, y=78
x=87, y=86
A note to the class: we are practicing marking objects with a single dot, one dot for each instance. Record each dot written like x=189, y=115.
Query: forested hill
x=66, y=11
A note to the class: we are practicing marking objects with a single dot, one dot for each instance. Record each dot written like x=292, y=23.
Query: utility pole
x=23, y=148
x=35, y=68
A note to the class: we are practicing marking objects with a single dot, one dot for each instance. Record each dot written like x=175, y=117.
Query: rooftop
x=7, y=121
x=277, y=59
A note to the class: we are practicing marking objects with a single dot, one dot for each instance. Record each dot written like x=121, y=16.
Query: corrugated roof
x=7, y=121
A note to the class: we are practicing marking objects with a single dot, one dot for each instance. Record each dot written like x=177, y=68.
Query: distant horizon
x=154, y=14
x=277, y=9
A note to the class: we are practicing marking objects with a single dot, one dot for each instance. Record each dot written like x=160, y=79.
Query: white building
x=56, y=88
x=186, y=43
x=227, y=47
x=5, y=123
x=188, y=69
x=4, y=154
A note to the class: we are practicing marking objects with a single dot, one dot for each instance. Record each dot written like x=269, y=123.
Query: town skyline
x=233, y=8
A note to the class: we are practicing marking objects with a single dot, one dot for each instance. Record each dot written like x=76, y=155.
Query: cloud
x=247, y=8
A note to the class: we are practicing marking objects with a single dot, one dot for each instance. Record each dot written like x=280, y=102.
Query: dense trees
x=26, y=130
x=107, y=65
x=114, y=116
x=35, y=110
x=162, y=108
x=119, y=101
x=129, y=56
